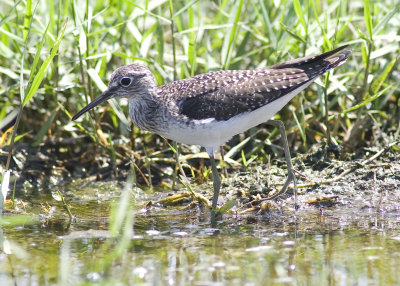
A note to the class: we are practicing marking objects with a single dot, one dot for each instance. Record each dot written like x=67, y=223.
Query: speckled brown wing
x=224, y=94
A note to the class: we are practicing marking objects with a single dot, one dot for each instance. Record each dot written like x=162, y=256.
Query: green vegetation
x=55, y=56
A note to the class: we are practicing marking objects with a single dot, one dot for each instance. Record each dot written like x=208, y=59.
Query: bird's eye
x=125, y=81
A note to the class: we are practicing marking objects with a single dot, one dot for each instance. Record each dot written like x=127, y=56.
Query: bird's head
x=130, y=81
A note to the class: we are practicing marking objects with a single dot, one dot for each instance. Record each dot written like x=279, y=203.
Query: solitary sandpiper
x=208, y=109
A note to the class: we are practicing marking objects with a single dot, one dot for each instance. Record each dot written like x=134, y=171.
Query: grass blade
x=6, y=17
x=43, y=69
x=45, y=128
x=192, y=43
x=326, y=39
x=300, y=14
x=377, y=83
x=294, y=35
x=267, y=24
x=27, y=18
x=186, y=7
x=368, y=18
x=37, y=56
x=382, y=23
x=229, y=41
x=365, y=102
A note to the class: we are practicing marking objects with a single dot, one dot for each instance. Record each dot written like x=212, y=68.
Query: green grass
x=57, y=56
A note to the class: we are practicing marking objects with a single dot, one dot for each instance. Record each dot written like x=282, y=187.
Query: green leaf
x=172, y=148
x=244, y=159
x=160, y=44
x=365, y=102
x=226, y=207
x=382, y=23
x=362, y=35
x=368, y=19
x=166, y=20
x=364, y=55
x=16, y=220
x=192, y=43
x=326, y=39
x=294, y=35
x=301, y=126
x=106, y=29
x=267, y=24
x=37, y=56
x=377, y=83
x=27, y=18
x=45, y=127
x=229, y=41
x=7, y=17
x=344, y=27
x=43, y=69
x=19, y=137
x=300, y=14
x=186, y=7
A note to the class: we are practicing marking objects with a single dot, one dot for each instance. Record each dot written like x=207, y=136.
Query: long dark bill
x=98, y=100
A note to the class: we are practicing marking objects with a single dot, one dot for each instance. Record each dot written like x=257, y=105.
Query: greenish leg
x=217, y=185
x=291, y=174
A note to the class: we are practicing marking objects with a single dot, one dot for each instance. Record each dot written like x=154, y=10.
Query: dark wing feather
x=224, y=94
x=237, y=97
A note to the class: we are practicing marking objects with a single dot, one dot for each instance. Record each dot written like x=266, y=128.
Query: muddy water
x=338, y=245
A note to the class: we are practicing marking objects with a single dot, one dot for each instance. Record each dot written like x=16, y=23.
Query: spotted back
x=224, y=94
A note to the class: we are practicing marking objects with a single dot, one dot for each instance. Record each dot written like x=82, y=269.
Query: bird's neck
x=143, y=110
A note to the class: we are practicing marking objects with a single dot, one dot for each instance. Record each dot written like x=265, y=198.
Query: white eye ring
x=125, y=81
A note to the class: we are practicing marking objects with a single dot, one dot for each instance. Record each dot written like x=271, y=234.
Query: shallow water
x=177, y=245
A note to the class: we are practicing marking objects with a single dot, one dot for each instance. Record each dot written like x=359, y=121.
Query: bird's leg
x=216, y=184
x=291, y=175
x=176, y=153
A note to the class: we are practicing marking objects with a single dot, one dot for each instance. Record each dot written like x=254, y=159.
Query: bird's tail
x=326, y=61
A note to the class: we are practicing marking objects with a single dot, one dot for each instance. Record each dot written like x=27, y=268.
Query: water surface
x=178, y=246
